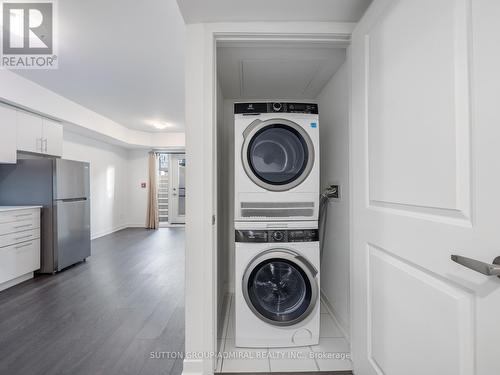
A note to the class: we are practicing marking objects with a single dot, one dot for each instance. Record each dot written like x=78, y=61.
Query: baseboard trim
x=193, y=367
x=171, y=225
x=17, y=280
x=136, y=225
x=289, y=373
x=332, y=312
x=106, y=232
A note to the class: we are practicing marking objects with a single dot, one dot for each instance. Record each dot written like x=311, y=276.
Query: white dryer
x=277, y=298
x=276, y=162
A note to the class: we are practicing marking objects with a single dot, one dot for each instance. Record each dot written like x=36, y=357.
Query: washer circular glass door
x=277, y=154
x=280, y=287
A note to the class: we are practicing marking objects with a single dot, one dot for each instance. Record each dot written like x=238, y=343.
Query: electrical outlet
x=334, y=191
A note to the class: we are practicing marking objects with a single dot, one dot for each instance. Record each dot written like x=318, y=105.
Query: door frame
x=168, y=151
x=171, y=204
x=201, y=176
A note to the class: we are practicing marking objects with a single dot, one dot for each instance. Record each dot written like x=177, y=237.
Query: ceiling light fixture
x=160, y=125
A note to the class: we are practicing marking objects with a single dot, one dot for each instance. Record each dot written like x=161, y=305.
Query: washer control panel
x=275, y=107
x=277, y=235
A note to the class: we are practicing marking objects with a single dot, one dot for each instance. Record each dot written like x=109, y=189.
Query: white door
x=177, y=191
x=425, y=150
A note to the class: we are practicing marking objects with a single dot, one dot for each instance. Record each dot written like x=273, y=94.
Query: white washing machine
x=277, y=298
x=276, y=161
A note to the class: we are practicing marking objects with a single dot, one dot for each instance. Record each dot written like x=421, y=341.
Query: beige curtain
x=152, y=218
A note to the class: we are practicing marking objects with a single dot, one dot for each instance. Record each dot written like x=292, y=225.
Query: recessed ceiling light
x=160, y=125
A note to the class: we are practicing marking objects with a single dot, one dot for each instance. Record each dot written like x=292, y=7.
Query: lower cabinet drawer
x=19, y=226
x=19, y=215
x=17, y=260
x=14, y=238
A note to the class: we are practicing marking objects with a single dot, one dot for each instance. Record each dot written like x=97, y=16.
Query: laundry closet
x=282, y=205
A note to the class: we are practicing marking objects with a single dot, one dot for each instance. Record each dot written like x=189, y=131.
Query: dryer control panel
x=277, y=235
x=275, y=107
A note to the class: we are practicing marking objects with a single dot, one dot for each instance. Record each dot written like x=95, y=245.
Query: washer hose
x=324, y=199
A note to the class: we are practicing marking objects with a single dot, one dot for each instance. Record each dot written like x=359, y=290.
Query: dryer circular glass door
x=277, y=154
x=280, y=287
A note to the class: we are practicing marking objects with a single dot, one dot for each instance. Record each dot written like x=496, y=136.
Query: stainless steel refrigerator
x=62, y=188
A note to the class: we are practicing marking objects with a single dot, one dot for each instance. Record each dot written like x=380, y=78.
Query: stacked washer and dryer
x=277, y=252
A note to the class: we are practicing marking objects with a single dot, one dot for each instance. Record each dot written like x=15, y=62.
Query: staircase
x=163, y=198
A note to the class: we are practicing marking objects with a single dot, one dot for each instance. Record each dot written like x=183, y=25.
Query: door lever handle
x=481, y=267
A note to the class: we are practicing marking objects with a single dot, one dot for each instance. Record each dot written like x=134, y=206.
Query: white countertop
x=17, y=208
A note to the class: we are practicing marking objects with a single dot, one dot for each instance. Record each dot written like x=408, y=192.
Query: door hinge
x=213, y=219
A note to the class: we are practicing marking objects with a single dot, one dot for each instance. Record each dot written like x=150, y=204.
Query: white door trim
x=173, y=193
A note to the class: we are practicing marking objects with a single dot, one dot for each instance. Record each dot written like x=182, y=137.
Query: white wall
x=117, y=200
x=137, y=201
x=334, y=129
x=108, y=180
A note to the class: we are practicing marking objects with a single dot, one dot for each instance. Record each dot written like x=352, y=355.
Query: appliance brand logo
x=28, y=35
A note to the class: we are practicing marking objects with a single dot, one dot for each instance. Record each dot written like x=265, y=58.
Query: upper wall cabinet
x=8, y=135
x=38, y=135
x=29, y=132
x=52, y=135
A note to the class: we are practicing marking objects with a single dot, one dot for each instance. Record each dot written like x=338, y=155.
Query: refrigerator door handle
x=72, y=199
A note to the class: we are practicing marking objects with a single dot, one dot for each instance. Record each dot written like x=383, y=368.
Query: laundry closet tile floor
x=332, y=353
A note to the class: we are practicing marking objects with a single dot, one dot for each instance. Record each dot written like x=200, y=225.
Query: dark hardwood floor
x=102, y=317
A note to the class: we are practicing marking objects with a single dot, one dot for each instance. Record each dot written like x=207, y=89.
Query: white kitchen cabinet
x=29, y=132
x=8, y=130
x=19, y=260
x=39, y=135
x=19, y=244
x=52, y=137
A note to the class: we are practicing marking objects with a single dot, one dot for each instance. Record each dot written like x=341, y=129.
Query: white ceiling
x=122, y=59
x=276, y=70
x=195, y=11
